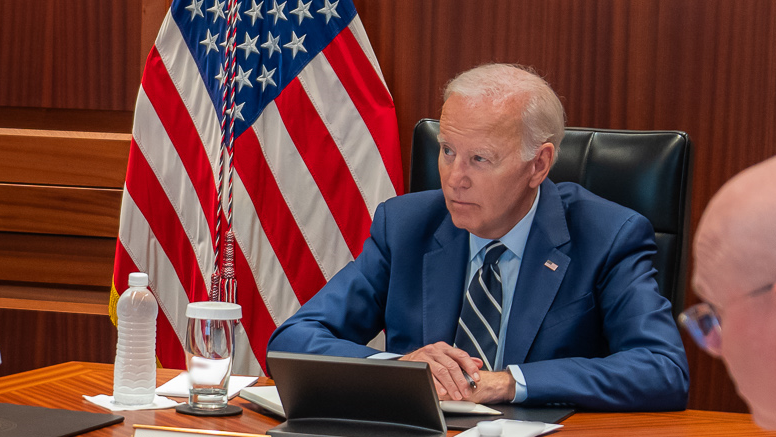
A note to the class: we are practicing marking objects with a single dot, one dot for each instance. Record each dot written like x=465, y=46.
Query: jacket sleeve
x=348, y=311
x=646, y=368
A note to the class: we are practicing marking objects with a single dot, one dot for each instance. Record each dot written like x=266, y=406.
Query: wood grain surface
x=43, y=338
x=70, y=54
x=57, y=259
x=63, y=385
x=65, y=158
x=43, y=209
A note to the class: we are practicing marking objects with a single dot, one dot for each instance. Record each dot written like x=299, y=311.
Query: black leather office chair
x=647, y=171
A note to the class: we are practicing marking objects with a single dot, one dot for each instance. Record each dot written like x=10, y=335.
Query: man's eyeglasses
x=702, y=322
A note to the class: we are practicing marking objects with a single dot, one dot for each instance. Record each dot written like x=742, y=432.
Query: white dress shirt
x=509, y=266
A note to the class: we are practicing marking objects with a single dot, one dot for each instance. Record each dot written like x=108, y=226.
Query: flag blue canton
x=274, y=42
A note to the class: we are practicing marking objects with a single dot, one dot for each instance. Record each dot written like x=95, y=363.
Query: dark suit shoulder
x=582, y=203
x=415, y=209
x=420, y=220
x=595, y=221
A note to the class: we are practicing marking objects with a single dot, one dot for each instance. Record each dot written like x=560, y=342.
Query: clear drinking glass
x=209, y=352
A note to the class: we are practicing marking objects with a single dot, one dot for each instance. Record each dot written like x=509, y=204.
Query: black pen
x=469, y=379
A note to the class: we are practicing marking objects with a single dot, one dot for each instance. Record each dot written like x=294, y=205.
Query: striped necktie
x=480, y=320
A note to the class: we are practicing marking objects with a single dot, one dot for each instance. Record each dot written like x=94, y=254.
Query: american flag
x=316, y=150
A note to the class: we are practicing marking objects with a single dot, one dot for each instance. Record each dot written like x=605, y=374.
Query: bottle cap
x=211, y=310
x=138, y=280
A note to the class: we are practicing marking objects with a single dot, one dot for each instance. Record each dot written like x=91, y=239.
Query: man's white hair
x=542, y=120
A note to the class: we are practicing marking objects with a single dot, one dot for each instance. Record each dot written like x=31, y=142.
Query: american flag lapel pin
x=551, y=265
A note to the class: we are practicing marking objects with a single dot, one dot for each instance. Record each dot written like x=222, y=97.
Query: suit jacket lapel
x=541, y=273
x=444, y=271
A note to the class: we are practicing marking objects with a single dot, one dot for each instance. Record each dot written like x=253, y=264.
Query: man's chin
x=462, y=221
x=460, y=224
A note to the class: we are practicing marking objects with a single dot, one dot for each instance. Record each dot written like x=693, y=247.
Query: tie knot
x=493, y=251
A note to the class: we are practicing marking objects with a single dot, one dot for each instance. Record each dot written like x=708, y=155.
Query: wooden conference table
x=62, y=386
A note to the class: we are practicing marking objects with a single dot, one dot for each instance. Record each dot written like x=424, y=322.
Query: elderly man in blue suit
x=540, y=293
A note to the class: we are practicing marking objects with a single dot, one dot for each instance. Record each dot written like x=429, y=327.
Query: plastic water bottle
x=134, y=375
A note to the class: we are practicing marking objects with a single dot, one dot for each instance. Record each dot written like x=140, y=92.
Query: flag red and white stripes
x=316, y=150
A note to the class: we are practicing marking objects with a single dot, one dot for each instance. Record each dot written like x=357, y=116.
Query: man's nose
x=458, y=176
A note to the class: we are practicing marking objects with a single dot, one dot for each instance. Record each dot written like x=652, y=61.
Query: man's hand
x=447, y=366
x=494, y=388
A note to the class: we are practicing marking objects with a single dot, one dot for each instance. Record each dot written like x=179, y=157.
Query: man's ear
x=542, y=163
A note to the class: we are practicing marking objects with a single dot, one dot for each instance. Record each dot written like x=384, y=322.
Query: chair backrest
x=647, y=171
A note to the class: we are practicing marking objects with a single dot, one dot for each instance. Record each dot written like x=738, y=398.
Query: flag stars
x=210, y=42
x=272, y=44
x=254, y=12
x=237, y=13
x=329, y=10
x=225, y=42
x=242, y=78
x=302, y=11
x=249, y=45
x=266, y=78
x=221, y=76
x=237, y=112
x=295, y=45
x=277, y=11
x=195, y=8
x=218, y=10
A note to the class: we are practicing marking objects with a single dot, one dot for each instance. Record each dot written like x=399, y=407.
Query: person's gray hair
x=542, y=120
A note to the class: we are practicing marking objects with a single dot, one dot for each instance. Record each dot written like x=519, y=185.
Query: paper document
x=517, y=428
x=107, y=402
x=266, y=396
x=466, y=407
x=179, y=386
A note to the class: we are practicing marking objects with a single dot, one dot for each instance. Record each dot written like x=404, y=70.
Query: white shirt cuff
x=521, y=391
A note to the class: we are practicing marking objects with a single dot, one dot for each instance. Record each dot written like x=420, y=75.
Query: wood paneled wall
x=69, y=75
x=70, y=54
x=60, y=193
x=705, y=67
x=60, y=196
x=66, y=336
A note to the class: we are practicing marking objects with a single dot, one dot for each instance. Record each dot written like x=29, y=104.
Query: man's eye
x=447, y=151
x=479, y=158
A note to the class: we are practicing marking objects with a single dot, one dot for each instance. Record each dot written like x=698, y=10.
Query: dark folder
x=27, y=421
x=531, y=414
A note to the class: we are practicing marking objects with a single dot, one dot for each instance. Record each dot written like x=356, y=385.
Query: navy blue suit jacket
x=594, y=332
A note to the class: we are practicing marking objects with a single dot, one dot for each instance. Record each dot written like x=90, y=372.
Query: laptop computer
x=336, y=396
